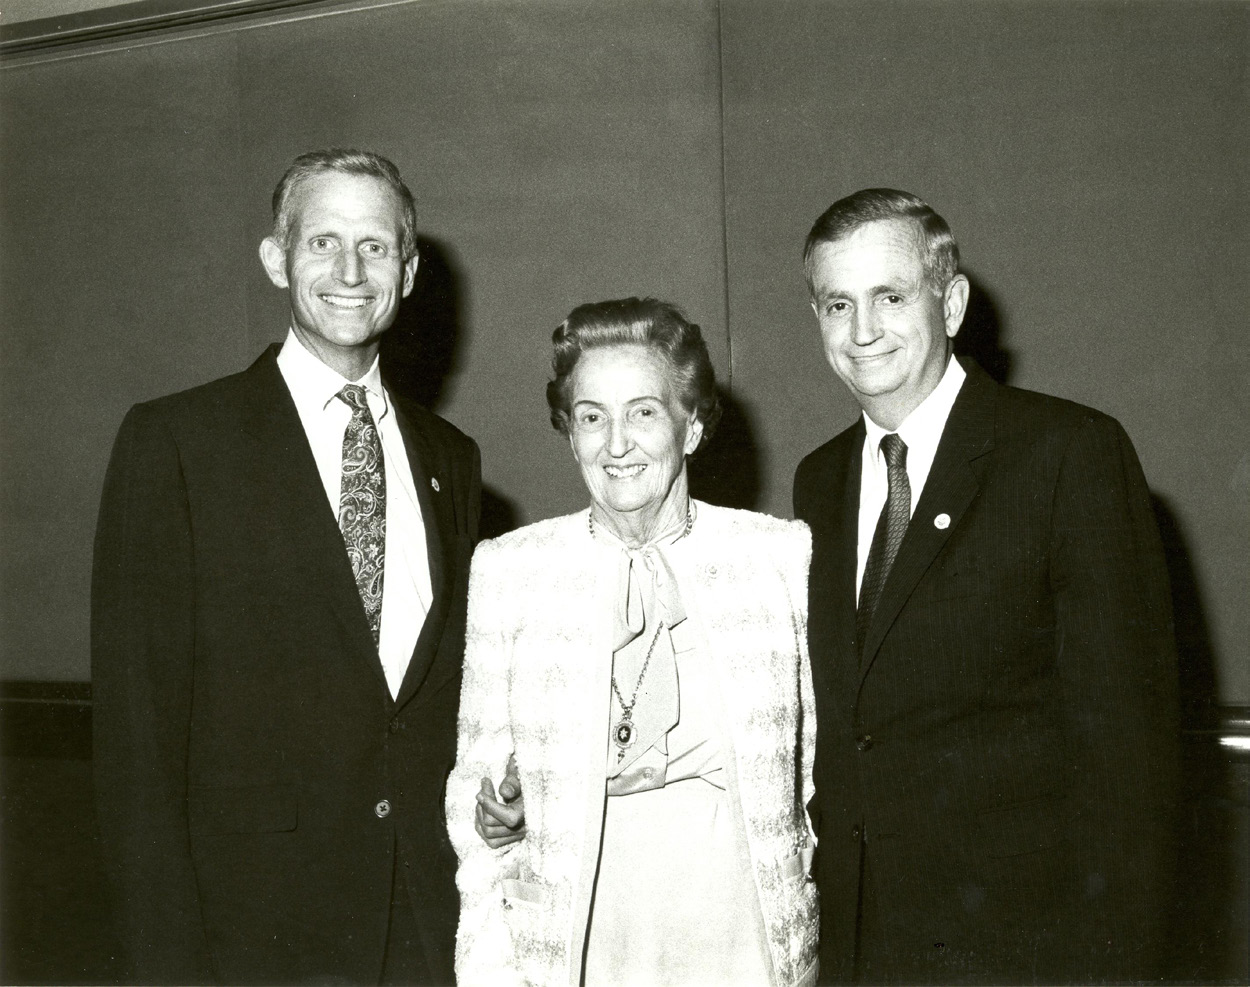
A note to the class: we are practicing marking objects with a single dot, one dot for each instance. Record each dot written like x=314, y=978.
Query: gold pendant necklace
x=623, y=733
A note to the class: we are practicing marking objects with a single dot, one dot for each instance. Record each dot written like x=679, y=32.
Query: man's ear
x=955, y=304
x=273, y=257
x=410, y=273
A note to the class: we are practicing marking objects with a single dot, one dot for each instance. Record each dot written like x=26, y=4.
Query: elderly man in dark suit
x=991, y=645
x=277, y=631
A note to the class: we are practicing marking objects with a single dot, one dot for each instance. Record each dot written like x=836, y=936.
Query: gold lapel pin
x=941, y=522
x=434, y=483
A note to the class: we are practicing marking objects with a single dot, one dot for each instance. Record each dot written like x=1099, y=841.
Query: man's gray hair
x=939, y=252
x=348, y=161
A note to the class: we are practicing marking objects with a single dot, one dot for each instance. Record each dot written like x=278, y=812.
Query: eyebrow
x=329, y=234
x=876, y=289
x=641, y=397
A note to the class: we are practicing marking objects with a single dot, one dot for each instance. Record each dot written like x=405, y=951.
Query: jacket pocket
x=524, y=895
x=531, y=939
x=242, y=809
x=797, y=866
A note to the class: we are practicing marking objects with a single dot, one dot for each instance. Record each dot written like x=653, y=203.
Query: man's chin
x=873, y=385
x=348, y=337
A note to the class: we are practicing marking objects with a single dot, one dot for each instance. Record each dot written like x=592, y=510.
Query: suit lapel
x=835, y=532
x=845, y=561
x=286, y=468
x=953, y=482
x=433, y=486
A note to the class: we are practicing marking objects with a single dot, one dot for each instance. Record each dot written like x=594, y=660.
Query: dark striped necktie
x=891, y=526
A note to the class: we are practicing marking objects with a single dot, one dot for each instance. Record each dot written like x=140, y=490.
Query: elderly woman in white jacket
x=645, y=662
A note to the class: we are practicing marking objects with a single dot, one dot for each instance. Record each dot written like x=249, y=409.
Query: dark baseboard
x=56, y=924
x=45, y=719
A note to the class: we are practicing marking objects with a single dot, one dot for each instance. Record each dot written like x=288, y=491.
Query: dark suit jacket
x=245, y=738
x=999, y=768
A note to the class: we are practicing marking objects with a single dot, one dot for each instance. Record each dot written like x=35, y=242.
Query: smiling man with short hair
x=991, y=642
x=280, y=576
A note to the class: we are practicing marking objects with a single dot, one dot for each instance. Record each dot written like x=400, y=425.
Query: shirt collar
x=313, y=385
x=922, y=429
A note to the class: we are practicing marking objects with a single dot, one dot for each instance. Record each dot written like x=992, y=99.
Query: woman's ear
x=694, y=433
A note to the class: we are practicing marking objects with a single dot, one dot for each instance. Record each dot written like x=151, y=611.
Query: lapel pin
x=434, y=484
x=941, y=522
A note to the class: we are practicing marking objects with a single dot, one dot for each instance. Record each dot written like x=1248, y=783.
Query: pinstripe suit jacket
x=994, y=777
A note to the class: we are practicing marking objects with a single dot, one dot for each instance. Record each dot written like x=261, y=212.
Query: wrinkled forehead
x=345, y=199
x=882, y=251
x=622, y=372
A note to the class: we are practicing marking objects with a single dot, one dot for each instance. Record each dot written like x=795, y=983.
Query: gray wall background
x=1089, y=156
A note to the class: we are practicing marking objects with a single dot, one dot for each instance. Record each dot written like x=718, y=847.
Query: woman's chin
x=624, y=505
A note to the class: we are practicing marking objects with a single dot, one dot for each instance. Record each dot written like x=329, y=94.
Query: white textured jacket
x=537, y=674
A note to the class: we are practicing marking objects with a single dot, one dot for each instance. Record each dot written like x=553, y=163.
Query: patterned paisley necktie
x=362, y=503
x=891, y=526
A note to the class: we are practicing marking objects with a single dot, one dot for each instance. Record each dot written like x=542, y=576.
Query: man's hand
x=500, y=822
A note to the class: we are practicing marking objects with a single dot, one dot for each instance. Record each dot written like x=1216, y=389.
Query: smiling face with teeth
x=342, y=267
x=630, y=436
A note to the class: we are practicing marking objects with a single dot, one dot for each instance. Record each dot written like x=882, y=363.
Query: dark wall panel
x=120, y=280
x=1091, y=160
x=560, y=153
x=1089, y=155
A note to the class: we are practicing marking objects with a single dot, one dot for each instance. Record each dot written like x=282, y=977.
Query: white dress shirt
x=406, y=585
x=921, y=431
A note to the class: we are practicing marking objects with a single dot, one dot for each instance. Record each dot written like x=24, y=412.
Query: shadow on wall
x=727, y=471
x=421, y=351
x=981, y=335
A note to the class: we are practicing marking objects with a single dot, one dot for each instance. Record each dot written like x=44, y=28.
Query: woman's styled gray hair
x=660, y=327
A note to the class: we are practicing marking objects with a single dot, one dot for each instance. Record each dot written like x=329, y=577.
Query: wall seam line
x=724, y=193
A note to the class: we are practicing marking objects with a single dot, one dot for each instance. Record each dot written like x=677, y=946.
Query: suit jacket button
x=382, y=809
x=863, y=742
x=396, y=726
x=855, y=833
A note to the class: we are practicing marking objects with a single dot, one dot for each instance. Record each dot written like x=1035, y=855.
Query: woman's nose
x=620, y=440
